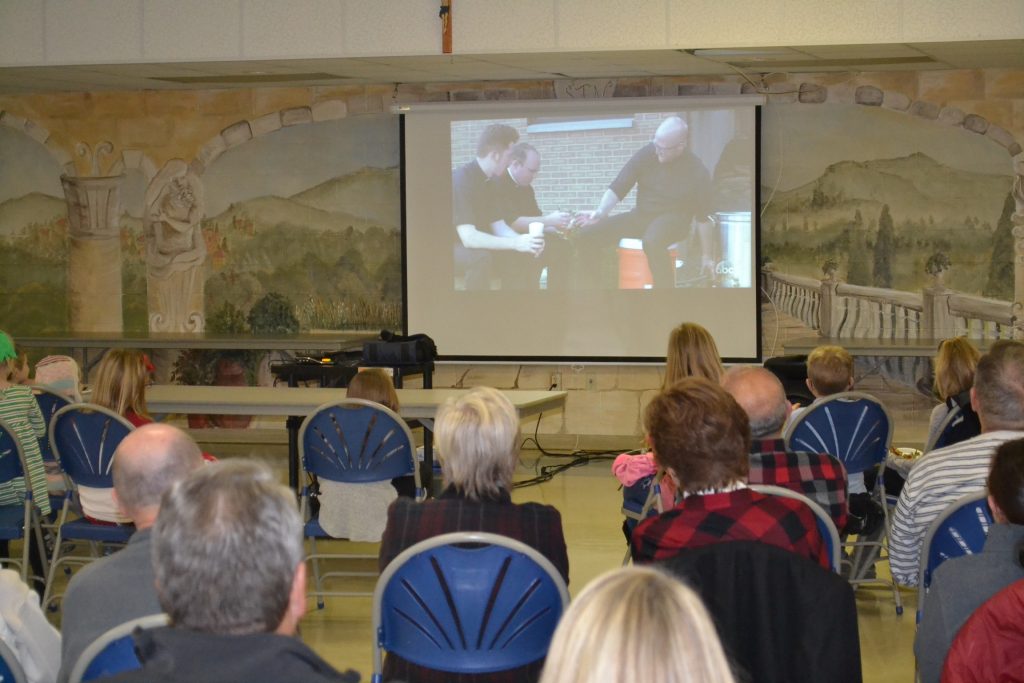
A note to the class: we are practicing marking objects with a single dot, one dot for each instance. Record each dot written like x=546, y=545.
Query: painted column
x=94, y=259
x=1018, y=247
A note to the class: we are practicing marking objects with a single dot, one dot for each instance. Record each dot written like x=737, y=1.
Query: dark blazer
x=780, y=616
x=538, y=526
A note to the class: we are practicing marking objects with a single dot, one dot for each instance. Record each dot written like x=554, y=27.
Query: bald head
x=762, y=397
x=670, y=139
x=149, y=461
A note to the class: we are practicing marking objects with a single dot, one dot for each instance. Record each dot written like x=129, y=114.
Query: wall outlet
x=591, y=383
x=556, y=381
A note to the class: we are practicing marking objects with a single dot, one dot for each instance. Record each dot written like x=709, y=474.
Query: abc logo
x=724, y=268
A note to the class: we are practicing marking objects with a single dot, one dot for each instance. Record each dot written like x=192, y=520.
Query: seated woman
x=959, y=586
x=477, y=437
x=636, y=624
x=701, y=438
x=955, y=364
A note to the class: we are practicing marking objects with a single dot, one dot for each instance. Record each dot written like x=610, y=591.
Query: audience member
x=990, y=646
x=477, y=437
x=955, y=364
x=25, y=630
x=62, y=375
x=959, y=586
x=147, y=463
x=946, y=474
x=120, y=385
x=636, y=624
x=701, y=438
x=228, y=560
x=818, y=476
x=692, y=352
x=19, y=410
x=357, y=511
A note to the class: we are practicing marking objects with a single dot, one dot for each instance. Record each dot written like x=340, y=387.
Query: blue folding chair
x=353, y=441
x=823, y=519
x=959, y=425
x=489, y=606
x=84, y=438
x=960, y=529
x=10, y=667
x=640, y=501
x=17, y=520
x=49, y=403
x=114, y=651
x=857, y=429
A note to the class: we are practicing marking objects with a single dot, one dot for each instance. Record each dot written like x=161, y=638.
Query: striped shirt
x=936, y=480
x=18, y=408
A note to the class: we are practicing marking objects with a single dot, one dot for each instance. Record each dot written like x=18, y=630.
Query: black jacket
x=173, y=655
x=780, y=617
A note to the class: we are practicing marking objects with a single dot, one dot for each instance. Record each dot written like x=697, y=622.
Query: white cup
x=536, y=229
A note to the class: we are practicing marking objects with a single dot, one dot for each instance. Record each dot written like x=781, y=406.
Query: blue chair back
x=822, y=518
x=852, y=426
x=11, y=455
x=84, y=437
x=486, y=607
x=961, y=423
x=357, y=441
x=49, y=403
x=10, y=667
x=114, y=651
x=961, y=529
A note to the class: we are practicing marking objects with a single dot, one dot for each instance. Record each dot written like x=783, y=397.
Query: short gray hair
x=226, y=547
x=762, y=397
x=999, y=386
x=149, y=461
x=478, y=442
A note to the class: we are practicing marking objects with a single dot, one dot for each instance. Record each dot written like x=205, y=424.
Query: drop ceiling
x=514, y=67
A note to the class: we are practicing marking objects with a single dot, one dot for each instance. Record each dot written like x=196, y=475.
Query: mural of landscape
x=879, y=193
x=309, y=213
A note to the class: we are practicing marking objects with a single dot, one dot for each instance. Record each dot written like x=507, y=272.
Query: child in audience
x=691, y=353
x=60, y=374
x=636, y=624
x=358, y=512
x=121, y=379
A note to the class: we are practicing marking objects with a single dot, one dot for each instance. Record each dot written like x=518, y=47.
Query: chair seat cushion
x=12, y=520
x=84, y=530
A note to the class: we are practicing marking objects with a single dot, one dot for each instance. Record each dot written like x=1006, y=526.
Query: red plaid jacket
x=741, y=515
x=818, y=476
x=538, y=526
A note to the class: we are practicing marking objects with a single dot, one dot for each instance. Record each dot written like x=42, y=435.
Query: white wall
x=59, y=32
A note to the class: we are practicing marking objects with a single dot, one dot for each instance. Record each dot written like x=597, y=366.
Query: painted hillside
x=933, y=208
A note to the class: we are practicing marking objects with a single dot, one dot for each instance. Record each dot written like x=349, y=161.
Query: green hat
x=7, y=351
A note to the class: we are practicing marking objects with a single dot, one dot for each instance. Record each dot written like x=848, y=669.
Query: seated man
x=961, y=585
x=701, y=437
x=118, y=588
x=818, y=476
x=946, y=474
x=228, y=558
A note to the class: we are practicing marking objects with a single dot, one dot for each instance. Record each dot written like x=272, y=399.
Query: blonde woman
x=692, y=352
x=955, y=364
x=636, y=624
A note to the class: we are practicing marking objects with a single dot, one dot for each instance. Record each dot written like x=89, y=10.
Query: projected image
x=642, y=201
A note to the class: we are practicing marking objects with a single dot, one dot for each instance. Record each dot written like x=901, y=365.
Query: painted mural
x=884, y=199
x=305, y=216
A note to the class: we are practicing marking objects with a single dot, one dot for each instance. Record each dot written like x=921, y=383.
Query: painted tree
x=1000, y=268
x=884, y=244
x=857, y=260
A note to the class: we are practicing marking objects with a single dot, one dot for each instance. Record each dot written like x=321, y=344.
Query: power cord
x=545, y=473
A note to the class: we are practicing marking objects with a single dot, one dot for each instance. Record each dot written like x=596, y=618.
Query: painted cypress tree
x=1000, y=267
x=884, y=244
x=857, y=258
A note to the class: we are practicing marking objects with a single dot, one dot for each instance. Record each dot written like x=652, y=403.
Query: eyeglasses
x=667, y=148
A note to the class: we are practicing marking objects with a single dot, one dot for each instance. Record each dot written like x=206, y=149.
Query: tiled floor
x=589, y=499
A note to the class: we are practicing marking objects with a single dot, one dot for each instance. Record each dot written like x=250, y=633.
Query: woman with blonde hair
x=955, y=364
x=692, y=352
x=636, y=624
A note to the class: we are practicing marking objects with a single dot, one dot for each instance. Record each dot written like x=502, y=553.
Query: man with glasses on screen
x=479, y=226
x=673, y=189
x=517, y=204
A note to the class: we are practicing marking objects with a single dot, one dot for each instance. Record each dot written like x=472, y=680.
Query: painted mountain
x=933, y=208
